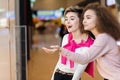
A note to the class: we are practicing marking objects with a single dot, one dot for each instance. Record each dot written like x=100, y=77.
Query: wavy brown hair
x=106, y=21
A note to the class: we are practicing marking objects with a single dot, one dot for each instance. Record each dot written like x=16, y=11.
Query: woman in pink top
x=104, y=50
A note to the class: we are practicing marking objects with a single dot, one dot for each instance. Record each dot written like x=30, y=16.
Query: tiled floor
x=41, y=65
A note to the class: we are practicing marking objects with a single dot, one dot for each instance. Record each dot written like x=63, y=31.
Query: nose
x=68, y=21
x=84, y=21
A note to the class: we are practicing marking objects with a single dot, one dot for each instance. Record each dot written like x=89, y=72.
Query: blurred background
x=28, y=25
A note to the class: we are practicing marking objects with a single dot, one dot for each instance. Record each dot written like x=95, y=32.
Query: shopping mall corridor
x=41, y=65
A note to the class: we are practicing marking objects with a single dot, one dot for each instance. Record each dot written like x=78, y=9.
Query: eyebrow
x=71, y=16
x=90, y=15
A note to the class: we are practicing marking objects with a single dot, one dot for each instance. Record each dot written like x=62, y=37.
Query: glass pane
x=19, y=47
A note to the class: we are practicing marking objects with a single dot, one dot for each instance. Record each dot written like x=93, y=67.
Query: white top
x=78, y=68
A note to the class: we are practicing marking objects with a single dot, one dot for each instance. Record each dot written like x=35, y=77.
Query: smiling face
x=72, y=21
x=90, y=20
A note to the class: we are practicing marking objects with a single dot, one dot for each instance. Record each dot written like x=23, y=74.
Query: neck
x=95, y=32
x=78, y=36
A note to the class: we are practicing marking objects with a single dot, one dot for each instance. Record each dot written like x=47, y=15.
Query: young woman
x=77, y=40
x=104, y=50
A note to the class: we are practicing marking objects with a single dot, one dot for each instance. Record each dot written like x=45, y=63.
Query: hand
x=53, y=49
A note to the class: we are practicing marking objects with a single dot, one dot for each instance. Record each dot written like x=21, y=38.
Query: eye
x=88, y=17
x=72, y=18
x=66, y=19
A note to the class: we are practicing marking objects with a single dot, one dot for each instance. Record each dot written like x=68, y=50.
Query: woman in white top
x=77, y=40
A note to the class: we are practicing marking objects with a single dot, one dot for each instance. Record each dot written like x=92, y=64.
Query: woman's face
x=72, y=21
x=89, y=21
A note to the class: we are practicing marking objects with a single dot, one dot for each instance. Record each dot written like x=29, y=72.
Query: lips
x=84, y=25
x=69, y=26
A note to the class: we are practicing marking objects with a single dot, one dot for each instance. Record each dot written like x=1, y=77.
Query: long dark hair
x=106, y=21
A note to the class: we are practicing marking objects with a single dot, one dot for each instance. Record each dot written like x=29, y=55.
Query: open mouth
x=69, y=26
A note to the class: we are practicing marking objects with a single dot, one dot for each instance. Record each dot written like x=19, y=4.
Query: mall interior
x=28, y=25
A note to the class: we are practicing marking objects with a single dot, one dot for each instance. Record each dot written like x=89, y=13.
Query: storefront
x=13, y=39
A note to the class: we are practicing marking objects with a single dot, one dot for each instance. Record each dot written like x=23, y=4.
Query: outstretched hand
x=53, y=49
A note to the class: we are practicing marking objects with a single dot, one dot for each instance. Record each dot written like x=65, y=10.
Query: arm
x=96, y=50
x=78, y=72
x=80, y=68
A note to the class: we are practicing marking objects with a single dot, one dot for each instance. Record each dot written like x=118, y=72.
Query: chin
x=69, y=31
x=85, y=29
